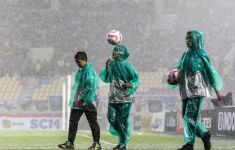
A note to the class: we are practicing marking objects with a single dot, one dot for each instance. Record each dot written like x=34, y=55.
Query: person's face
x=189, y=41
x=115, y=53
x=80, y=63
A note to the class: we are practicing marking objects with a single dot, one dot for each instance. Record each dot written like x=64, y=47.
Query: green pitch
x=147, y=141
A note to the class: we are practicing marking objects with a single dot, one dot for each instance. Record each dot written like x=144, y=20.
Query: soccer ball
x=114, y=37
x=173, y=75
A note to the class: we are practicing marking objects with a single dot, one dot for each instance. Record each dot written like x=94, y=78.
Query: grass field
x=147, y=141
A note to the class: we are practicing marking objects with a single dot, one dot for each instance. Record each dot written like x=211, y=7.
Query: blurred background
x=39, y=38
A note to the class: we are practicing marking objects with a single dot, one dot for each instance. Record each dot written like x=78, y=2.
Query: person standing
x=124, y=81
x=197, y=78
x=83, y=98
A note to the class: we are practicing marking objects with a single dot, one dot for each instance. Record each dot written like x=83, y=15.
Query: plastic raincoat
x=85, y=85
x=198, y=76
x=120, y=72
x=196, y=80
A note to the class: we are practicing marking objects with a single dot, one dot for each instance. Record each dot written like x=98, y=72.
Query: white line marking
x=105, y=142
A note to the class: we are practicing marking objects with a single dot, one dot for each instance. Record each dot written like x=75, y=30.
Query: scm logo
x=45, y=124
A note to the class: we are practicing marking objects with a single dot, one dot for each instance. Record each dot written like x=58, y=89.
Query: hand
x=168, y=80
x=126, y=85
x=108, y=62
x=78, y=103
x=171, y=82
x=219, y=96
x=75, y=103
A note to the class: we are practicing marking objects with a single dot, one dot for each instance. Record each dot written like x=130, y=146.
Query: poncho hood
x=198, y=39
x=123, y=52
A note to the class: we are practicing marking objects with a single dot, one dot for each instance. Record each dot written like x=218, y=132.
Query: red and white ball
x=174, y=75
x=114, y=37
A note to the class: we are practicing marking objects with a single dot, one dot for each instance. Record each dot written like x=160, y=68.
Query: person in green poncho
x=83, y=98
x=124, y=81
x=196, y=79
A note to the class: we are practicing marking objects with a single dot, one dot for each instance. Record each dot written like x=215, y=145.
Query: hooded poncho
x=85, y=85
x=119, y=72
x=197, y=76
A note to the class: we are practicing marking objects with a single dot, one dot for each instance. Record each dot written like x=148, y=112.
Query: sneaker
x=116, y=148
x=66, y=145
x=95, y=146
x=120, y=147
x=207, y=141
x=186, y=147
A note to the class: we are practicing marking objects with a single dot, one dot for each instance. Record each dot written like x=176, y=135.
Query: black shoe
x=120, y=147
x=116, y=148
x=66, y=145
x=186, y=147
x=207, y=141
x=95, y=146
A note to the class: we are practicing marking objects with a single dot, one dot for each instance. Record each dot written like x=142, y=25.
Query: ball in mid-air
x=114, y=37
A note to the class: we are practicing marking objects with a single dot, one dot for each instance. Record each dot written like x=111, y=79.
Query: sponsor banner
x=209, y=119
x=226, y=121
x=170, y=121
x=219, y=121
x=158, y=122
x=30, y=123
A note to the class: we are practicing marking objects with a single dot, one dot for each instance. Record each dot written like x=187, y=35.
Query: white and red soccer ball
x=173, y=75
x=114, y=37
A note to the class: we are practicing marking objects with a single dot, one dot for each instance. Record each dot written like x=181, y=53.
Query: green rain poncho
x=197, y=76
x=120, y=72
x=85, y=85
x=197, y=79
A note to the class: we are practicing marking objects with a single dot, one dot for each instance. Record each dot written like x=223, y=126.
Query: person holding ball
x=196, y=79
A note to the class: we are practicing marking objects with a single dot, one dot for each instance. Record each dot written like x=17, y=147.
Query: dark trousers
x=91, y=115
